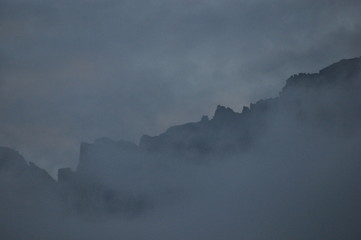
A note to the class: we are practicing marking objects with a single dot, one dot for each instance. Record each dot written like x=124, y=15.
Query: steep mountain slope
x=311, y=109
x=289, y=166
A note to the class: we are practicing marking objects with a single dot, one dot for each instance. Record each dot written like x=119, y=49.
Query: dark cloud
x=76, y=70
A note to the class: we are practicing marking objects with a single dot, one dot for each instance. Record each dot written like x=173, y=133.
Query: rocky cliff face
x=26, y=191
x=327, y=102
x=13, y=166
x=329, y=97
x=315, y=120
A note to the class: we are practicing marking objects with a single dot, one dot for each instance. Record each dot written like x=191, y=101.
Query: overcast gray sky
x=76, y=70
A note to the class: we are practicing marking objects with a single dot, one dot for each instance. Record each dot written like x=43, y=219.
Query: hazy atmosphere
x=73, y=71
x=174, y=120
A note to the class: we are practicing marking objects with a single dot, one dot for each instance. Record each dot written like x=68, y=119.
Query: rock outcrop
x=113, y=178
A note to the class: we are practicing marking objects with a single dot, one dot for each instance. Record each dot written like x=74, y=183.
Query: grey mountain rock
x=112, y=177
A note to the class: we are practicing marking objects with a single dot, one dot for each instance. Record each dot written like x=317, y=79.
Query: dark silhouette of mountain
x=330, y=95
x=89, y=190
x=316, y=116
x=328, y=100
x=13, y=165
x=27, y=192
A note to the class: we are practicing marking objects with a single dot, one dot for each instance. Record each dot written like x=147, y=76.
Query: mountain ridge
x=120, y=178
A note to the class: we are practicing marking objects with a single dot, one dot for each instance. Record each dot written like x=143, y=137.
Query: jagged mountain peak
x=346, y=71
x=223, y=113
x=109, y=170
x=343, y=66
